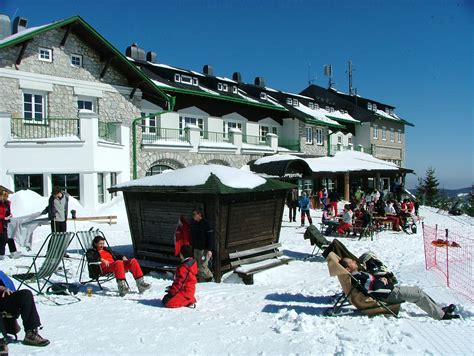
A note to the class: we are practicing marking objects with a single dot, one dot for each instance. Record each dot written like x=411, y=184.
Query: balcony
x=341, y=147
x=45, y=129
x=109, y=131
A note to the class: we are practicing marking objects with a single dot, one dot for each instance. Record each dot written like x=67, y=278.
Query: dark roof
x=282, y=167
x=212, y=186
x=103, y=47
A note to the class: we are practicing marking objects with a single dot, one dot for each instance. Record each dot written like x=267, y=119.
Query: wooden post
x=346, y=187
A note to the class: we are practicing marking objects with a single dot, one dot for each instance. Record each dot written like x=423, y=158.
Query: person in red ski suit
x=181, y=292
x=182, y=235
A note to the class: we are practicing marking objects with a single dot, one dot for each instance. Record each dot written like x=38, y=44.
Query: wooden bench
x=247, y=263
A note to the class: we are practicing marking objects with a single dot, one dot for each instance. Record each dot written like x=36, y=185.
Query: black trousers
x=4, y=240
x=22, y=302
x=58, y=226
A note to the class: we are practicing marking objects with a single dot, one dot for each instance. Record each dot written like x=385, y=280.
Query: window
x=349, y=140
x=34, y=107
x=158, y=169
x=296, y=102
x=148, y=123
x=392, y=135
x=384, y=133
x=374, y=107
x=274, y=130
x=369, y=106
x=184, y=120
x=339, y=140
x=225, y=87
x=263, y=95
x=263, y=132
x=113, y=181
x=76, y=60
x=399, y=136
x=310, y=105
x=289, y=101
x=32, y=182
x=375, y=132
x=86, y=103
x=309, y=135
x=185, y=79
x=390, y=111
x=177, y=78
x=315, y=106
x=231, y=125
x=196, y=82
x=45, y=54
x=387, y=110
x=235, y=90
x=68, y=182
x=319, y=137
x=219, y=86
x=100, y=188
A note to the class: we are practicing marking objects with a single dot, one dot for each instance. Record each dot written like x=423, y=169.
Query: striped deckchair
x=40, y=275
x=85, y=239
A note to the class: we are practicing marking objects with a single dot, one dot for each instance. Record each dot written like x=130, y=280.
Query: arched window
x=158, y=169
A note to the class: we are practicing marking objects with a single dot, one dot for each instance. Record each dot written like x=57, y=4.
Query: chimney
x=5, y=26
x=151, y=57
x=19, y=24
x=237, y=77
x=207, y=69
x=260, y=82
x=135, y=52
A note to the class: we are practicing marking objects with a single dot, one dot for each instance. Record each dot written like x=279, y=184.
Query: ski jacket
x=373, y=284
x=185, y=279
x=94, y=258
x=4, y=213
x=202, y=235
x=182, y=235
x=304, y=203
x=52, y=209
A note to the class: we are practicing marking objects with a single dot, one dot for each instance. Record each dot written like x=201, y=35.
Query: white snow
x=197, y=175
x=386, y=115
x=161, y=84
x=349, y=161
x=319, y=114
x=22, y=33
x=281, y=314
x=275, y=158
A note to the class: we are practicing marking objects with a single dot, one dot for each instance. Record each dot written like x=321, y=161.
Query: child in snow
x=181, y=292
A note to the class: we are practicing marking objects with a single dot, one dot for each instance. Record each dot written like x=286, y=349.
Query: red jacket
x=182, y=235
x=184, y=284
x=4, y=212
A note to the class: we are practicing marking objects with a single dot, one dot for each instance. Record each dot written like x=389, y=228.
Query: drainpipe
x=329, y=142
x=171, y=103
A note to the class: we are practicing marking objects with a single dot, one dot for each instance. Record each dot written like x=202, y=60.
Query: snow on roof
x=22, y=33
x=319, y=114
x=298, y=95
x=388, y=116
x=197, y=73
x=275, y=158
x=198, y=175
x=274, y=101
x=161, y=84
x=226, y=79
x=208, y=90
x=349, y=161
x=343, y=116
x=246, y=97
x=271, y=89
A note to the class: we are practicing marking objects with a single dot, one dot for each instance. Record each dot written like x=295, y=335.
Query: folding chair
x=354, y=294
x=85, y=239
x=56, y=244
x=317, y=239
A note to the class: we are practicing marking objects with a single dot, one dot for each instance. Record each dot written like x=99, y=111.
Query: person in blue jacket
x=304, y=206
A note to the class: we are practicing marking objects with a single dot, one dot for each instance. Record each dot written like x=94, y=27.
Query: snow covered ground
x=281, y=314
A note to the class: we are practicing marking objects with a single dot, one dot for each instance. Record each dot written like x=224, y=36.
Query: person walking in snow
x=57, y=210
x=116, y=264
x=333, y=199
x=382, y=288
x=181, y=292
x=292, y=203
x=5, y=216
x=203, y=243
x=304, y=205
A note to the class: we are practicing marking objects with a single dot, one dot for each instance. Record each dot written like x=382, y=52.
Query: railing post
x=272, y=141
x=235, y=138
x=447, y=258
x=194, y=136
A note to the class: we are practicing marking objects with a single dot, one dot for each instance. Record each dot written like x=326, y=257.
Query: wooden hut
x=244, y=209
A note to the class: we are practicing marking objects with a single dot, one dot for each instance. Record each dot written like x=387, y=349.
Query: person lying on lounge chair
x=383, y=289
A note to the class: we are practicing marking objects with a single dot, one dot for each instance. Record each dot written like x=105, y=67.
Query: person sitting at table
x=346, y=221
x=328, y=220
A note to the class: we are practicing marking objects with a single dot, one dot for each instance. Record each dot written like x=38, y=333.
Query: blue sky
x=416, y=55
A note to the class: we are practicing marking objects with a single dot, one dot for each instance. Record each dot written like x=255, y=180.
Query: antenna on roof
x=349, y=72
x=310, y=81
x=328, y=73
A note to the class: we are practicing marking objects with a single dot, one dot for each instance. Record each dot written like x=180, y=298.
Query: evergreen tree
x=427, y=190
x=470, y=208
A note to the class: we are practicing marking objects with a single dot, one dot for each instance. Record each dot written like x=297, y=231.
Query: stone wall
x=11, y=99
x=313, y=149
x=175, y=160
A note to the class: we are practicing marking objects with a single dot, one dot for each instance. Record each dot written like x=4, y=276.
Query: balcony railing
x=108, y=131
x=341, y=147
x=33, y=129
x=293, y=145
x=152, y=134
x=253, y=140
x=214, y=136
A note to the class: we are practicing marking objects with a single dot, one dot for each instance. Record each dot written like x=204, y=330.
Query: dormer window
x=45, y=54
x=225, y=87
x=195, y=81
x=387, y=110
x=263, y=95
x=177, y=78
x=310, y=105
x=219, y=86
x=235, y=90
x=327, y=108
x=185, y=79
x=289, y=101
x=315, y=106
x=296, y=102
x=390, y=111
x=369, y=106
x=374, y=107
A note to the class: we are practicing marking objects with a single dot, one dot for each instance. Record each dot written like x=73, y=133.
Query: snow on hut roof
x=349, y=161
x=275, y=158
x=199, y=175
